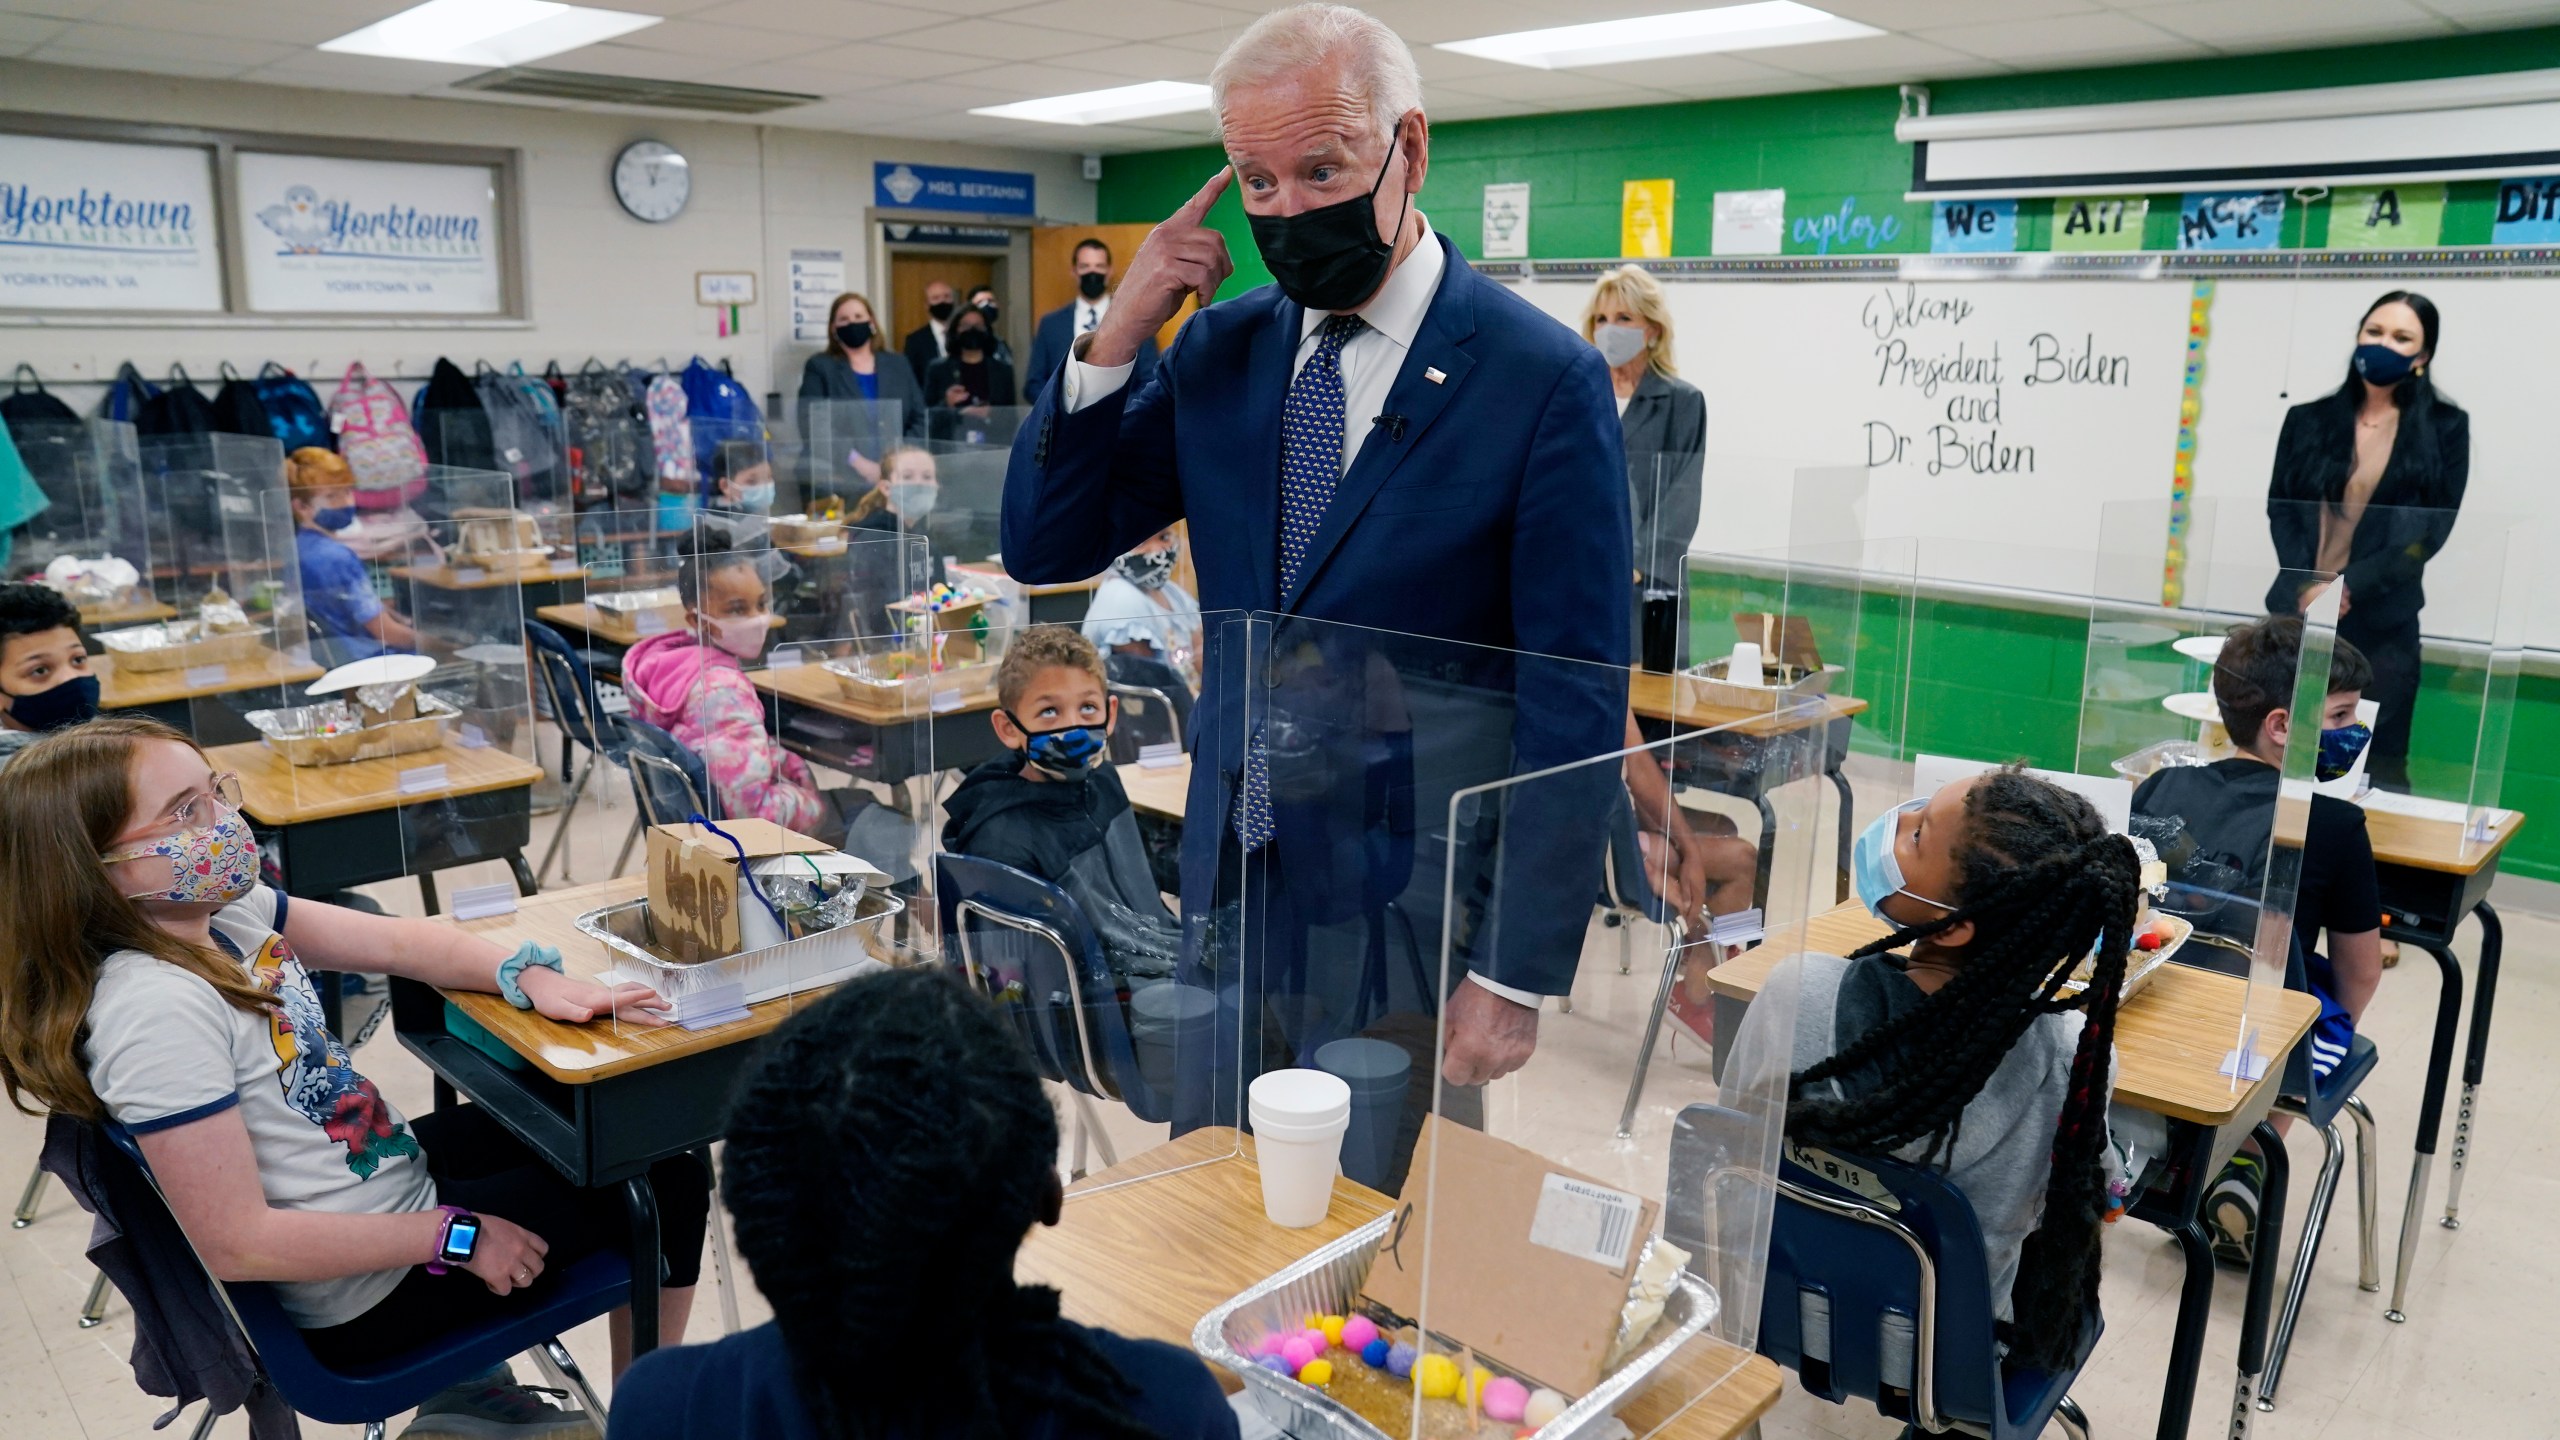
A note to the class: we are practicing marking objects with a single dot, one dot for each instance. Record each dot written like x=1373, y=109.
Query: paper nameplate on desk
x=787, y=660
x=419, y=778
x=710, y=1005
x=2244, y=1063
x=479, y=902
x=563, y=567
x=946, y=701
x=1738, y=927
x=649, y=622
x=207, y=674
x=612, y=699
x=473, y=737
x=1162, y=755
x=470, y=575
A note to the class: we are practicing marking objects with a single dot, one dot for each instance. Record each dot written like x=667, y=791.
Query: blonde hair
x=1634, y=288
x=1045, y=647
x=1302, y=37
x=314, y=468
x=63, y=801
x=835, y=347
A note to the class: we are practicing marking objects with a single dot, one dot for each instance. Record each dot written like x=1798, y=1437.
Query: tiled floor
x=2469, y=1365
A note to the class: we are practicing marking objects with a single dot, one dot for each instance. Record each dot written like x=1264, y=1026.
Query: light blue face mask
x=1874, y=870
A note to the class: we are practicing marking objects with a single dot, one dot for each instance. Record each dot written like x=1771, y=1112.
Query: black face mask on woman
x=1330, y=258
x=853, y=334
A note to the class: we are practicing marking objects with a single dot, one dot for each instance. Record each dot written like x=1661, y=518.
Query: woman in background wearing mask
x=1664, y=420
x=845, y=394
x=2385, y=437
x=971, y=378
x=693, y=684
x=1140, y=610
x=354, y=623
x=45, y=682
x=156, y=984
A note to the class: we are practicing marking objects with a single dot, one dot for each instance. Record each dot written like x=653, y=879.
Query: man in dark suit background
x=924, y=343
x=1080, y=316
x=1383, y=439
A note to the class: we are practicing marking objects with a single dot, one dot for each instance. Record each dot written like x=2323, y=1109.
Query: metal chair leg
x=561, y=1368
x=1626, y=944
x=93, y=1311
x=2315, y=1218
x=29, y=1198
x=376, y=1430
x=2368, y=1195
x=1089, y=1120
x=1075, y=1162
x=204, y=1423
x=1652, y=1033
x=560, y=832
x=720, y=1248
x=2074, y=1423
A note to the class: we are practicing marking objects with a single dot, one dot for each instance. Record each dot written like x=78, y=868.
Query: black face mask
x=969, y=345
x=853, y=334
x=988, y=309
x=1330, y=258
x=68, y=703
x=939, y=310
x=1092, y=283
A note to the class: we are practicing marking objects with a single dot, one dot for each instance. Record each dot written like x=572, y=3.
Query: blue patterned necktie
x=1311, y=425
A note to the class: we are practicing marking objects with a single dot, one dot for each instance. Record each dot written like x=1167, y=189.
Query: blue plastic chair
x=667, y=778
x=577, y=1294
x=1024, y=942
x=569, y=689
x=1842, y=1265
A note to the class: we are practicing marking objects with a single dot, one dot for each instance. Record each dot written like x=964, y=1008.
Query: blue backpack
x=294, y=411
x=721, y=411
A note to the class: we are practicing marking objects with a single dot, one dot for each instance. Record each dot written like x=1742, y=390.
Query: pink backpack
x=377, y=440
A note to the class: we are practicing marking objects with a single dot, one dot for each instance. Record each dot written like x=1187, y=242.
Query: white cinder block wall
x=598, y=282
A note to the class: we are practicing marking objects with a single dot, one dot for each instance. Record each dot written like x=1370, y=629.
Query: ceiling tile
x=22, y=33
x=218, y=54
x=2065, y=40
x=331, y=71
x=1681, y=75
x=54, y=9
x=1211, y=43
x=1551, y=87
x=1003, y=40
x=1905, y=16
x=1876, y=54
x=283, y=21
x=701, y=39
x=1127, y=19
x=188, y=65
x=2494, y=14
x=2266, y=23
x=1129, y=63
x=636, y=64
x=817, y=19
x=894, y=63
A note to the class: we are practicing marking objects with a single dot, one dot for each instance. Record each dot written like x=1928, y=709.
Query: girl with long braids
x=1959, y=1055
x=887, y=1154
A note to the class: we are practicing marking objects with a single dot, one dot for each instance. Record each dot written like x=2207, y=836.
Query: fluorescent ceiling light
x=487, y=32
x=1104, y=107
x=1663, y=37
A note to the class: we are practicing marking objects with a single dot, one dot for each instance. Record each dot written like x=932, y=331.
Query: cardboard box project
x=1529, y=1261
x=695, y=892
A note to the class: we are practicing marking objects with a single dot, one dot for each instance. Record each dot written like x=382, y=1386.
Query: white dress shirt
x=1089, y=313
x=1370, y=362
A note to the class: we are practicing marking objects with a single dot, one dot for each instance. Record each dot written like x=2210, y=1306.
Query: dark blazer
x=946, y=373
x=923, y=347
x=1496, y=518
x=1665, y=429
x=2412, y=517
x=830, y=428
x=1055, y=340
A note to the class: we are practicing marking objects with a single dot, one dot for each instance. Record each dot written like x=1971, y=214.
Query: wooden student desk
x=600, y=1102
x=2170, y=1040
x=619, y=629
x=1159, y=791
x=2430, y=876
x=343, y=825
x=125, y=612
x=542, y=584
x=1754, y=757
x=1149, y=1258
x=167, y=695
x=960, y=737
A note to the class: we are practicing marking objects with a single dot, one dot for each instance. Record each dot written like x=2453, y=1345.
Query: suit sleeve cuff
x=1515, y=995
x=1088, y=385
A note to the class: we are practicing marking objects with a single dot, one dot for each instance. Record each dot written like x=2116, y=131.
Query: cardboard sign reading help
x=694, y=886
x=1529, y=1261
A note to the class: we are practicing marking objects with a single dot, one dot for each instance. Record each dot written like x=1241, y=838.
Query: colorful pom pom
x=1298, y=1352
x=1332, y=1326
x=1357, y=1332
x=1375, y=1353
x=1270, y=1344
x=1543, y=1407
x=1439, y=1377
x=1505, y=1398
x=1317, y=1372
x=1400, y=1358
x=1277, y=1365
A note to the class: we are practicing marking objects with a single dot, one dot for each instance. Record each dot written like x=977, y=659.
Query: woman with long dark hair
x=887, y=1155
x=1954, y=1055
x=2385, y=440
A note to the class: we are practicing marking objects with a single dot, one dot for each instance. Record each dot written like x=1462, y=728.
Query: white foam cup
x=1299, y=1117
x=1744, y=667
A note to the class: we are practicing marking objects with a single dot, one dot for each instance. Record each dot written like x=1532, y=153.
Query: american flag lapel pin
x=1434, y=374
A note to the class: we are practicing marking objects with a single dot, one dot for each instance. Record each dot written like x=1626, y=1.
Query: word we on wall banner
x=91, y=225
x=369, y=236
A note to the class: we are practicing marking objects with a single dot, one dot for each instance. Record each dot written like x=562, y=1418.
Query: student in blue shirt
x=354, y=623
x=887, y=1154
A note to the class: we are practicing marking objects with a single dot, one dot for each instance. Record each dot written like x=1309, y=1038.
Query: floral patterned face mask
x=216, y=862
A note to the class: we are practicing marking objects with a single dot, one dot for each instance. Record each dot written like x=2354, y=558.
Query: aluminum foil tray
x=296, y=732
x=177, y=645
x=811, y=962
x=1327, y=1282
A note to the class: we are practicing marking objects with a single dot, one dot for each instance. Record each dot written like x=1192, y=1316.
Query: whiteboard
x=2003, y=469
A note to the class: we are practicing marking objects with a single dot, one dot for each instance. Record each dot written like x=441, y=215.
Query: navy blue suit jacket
x=1056, y=336
x=1497, y=518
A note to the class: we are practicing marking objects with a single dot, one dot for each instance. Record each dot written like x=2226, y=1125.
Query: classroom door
x=909, y=274
x=1053, y=267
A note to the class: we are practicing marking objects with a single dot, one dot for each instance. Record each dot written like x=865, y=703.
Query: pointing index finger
x=1196, y=208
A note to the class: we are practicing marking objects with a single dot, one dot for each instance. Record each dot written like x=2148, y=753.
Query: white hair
x=1301, y=37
